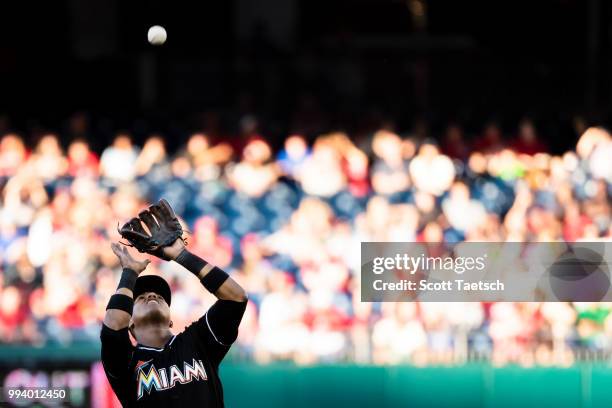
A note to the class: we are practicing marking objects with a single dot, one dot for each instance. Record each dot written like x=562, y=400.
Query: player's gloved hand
x=127, y=261
x=164, y=229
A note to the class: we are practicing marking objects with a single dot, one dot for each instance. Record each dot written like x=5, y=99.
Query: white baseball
x=157, y=35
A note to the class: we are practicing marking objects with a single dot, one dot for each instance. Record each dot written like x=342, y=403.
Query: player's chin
x=155, y=313
x=162, y=307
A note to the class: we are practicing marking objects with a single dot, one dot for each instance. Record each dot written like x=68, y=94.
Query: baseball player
x=166, y=369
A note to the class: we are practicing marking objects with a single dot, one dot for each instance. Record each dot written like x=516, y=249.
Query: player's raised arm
x=117, y=348
x=221, y=321
x=215, y=280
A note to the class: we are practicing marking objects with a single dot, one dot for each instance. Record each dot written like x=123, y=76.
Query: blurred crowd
x=288, y=225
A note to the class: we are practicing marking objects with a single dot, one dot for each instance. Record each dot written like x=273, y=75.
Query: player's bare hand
x=126, y=259
x=175, y=249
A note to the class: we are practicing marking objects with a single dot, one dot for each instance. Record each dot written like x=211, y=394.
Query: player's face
x=150, y=307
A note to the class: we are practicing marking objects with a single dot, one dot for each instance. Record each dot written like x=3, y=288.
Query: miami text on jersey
x=163, y=379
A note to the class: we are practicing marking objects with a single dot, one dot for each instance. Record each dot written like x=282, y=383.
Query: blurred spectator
x=527, y=141
x=374, y=224
x=206, y=159
x=454, y=144
x=153, y=154
x=282, y=331
x=293, y=155
x=600, y=164
x=460, y=211
x=356, y=169
x=398, y=335
x=216, y=249
x=431, y=171
x=11, y=314
x=321, y=174
x=390, y=170
x=13, y=154
x=575, y=222
x=491, y=139
x=598, y=208
x=256, y=269
x=48, y=159
x=118, y=162
x=255, y=174
x=589, y=141
x=82, y=162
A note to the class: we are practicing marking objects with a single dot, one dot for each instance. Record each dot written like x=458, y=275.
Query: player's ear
x=171, y=324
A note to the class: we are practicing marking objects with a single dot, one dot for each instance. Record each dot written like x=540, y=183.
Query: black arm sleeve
x=194, y=264
x=116, y=353
x=218, y=328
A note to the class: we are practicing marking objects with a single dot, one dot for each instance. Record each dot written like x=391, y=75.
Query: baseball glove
x=163, y=229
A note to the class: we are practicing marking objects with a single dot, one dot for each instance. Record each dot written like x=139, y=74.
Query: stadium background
x=285, y=133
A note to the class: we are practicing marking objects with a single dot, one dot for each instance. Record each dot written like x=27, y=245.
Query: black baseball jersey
x=182, y=373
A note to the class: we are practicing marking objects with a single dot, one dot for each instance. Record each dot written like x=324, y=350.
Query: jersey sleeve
x=116, y=353
x=218, y=328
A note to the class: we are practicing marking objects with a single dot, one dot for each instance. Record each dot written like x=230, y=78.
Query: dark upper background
x=353, y=64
